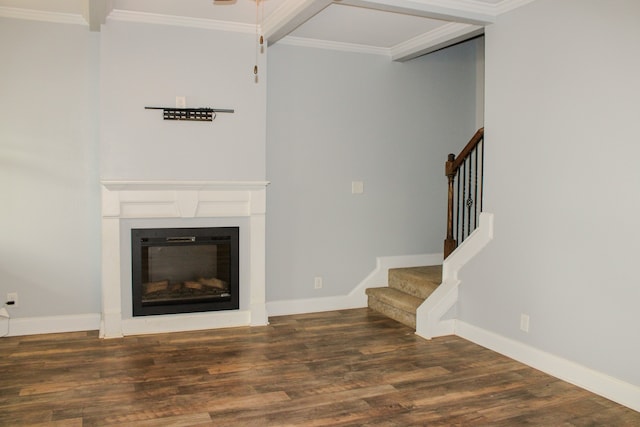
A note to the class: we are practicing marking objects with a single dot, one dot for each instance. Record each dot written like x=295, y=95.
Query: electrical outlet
x=524, y=322
x=317, y=282
x=12, y=297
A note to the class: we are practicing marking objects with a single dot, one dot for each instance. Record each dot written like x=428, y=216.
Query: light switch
x=357, y=187
x=181, y=102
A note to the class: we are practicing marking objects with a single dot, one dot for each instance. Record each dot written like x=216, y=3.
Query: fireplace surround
x=145, y=204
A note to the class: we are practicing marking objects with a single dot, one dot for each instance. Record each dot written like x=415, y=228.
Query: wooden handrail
x=451, y=169
x=473, y=142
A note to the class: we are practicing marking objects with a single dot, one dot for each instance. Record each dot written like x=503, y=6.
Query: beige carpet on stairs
x=408, y=288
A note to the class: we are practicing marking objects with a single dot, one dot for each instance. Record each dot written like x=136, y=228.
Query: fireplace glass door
x=184, y=270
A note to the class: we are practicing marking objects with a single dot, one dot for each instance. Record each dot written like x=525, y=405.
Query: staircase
x=408, y=288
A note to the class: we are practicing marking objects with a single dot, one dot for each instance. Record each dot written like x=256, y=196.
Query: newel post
x=450, y=243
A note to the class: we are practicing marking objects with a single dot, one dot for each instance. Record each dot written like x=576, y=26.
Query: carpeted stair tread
x=407, y=290
x=417, y=281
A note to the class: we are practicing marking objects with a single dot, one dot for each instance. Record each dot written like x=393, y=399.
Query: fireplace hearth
x=184, y=270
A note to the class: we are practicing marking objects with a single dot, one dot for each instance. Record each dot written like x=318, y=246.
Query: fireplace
x=184, y=270
x=128, y=205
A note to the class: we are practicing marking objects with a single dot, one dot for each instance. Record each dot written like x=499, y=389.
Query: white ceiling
x=401, y=29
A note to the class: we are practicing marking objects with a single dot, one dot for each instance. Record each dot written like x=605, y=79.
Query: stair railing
x=465, y=176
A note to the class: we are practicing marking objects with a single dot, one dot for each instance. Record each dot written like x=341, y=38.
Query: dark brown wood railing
x=465, y=176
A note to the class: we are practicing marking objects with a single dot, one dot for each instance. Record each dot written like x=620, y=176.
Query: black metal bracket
x=193, y=114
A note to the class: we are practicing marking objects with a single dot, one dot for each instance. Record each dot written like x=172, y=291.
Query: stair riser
x=408, y=319
x=407, y=289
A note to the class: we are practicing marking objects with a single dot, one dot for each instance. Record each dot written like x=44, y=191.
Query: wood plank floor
x=342, y=368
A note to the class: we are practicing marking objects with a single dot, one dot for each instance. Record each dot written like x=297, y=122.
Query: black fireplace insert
x=184, y=270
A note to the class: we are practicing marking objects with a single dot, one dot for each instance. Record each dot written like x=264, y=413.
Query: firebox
x=184, y=270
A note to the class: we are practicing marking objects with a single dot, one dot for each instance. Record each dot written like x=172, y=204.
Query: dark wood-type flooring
x=341, y=368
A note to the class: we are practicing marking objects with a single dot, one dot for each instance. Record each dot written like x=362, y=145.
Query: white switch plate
x=524, y=322
x=181, y=102
x=317, y=282
x=357, y=187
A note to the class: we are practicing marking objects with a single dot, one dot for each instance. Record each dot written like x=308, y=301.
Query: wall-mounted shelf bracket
x=193, y=114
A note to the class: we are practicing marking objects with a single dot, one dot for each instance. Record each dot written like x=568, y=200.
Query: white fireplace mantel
x=123, y=200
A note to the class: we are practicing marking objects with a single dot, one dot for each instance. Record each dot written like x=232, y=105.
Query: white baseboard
x=314, y=305
x=52, y=324
x=357, y=297
x=596, y=382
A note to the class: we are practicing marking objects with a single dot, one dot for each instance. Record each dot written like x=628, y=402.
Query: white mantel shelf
x=124, y=200
x=183, y=185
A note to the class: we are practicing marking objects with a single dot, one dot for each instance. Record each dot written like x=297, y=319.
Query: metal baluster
x=457, y=234
x=464, y=197
x=461, y=201
x=469, y=201
x=475, y=197
x=482, y=174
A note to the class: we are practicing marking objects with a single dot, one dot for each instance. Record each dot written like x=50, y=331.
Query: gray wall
x=49, y=209
x=562, y=179
x=336, y=117
x=149, y=65
x=333, y=118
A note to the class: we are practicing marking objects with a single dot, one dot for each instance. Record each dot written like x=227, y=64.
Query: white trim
x=185, y=322
x=482, y=13
x=312, y=305
x=604, y=385
x=19, y=326
x=289, y=16
x=471, y=246
x=477, y=7
x=467, y=11
x=112, y=185
x=439, y=38
x=508, y=5
x=469, y=6
x=186, y=200
x=357, y=298
x=5, y=318
x=41, y=15
x=339, y=46
x=180, y=21
x=430, y=320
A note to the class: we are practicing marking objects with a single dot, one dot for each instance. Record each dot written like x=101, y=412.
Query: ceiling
x=400, y=29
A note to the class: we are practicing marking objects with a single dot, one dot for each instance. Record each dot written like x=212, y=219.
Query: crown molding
x=339, y=46
x=508, y=5
x=40, y=15
x=441, y=37
x=464, y=11
x=289, y=16
x=473, y=6
x=180, y=21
